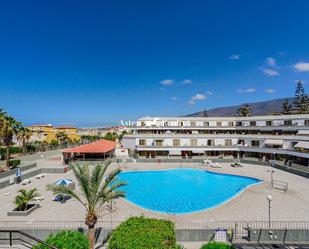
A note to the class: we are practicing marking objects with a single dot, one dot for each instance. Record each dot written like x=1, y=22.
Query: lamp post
x=269, y=199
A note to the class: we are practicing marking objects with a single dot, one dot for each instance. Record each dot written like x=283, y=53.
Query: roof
x=250, y=118
x=65, y=127
x=302, y=144
x=101, y=146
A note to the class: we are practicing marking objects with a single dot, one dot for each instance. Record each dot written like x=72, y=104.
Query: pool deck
x=251, y=204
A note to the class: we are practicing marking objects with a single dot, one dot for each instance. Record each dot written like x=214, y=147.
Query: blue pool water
x=179, y=191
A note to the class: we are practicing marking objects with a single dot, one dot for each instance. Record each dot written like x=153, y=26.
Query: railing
x=11, y=239
x=179, y=224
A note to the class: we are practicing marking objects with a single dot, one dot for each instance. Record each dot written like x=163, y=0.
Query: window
x=252, y=123
x=206, y=124
x=255, y=143
x=219, y=124
x=142, y=142
x=159, y=143
x=228, y=142
x=269, y=123
x=192, y=124
x=230, y=124
x=210, y=142
x=176, y=142
x=193, y=142
x=287, y=122
x=143, y=123
x=238, y=123
x=307, y=122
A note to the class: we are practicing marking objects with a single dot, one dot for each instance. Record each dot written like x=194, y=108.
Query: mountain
x=258, y=109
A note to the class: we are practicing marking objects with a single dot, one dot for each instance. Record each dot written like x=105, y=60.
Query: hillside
x=258, y=108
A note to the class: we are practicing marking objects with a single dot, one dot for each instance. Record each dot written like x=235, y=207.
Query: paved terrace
x=249, y=205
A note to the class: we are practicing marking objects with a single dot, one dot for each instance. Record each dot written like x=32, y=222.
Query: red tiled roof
x=101, y=146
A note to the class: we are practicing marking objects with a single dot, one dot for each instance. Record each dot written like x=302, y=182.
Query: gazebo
x=98, y=150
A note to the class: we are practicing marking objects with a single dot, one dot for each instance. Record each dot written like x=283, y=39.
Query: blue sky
x=93, y=63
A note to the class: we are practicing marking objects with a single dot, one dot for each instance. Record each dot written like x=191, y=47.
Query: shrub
x=217, y=245
x=66, y=240
x=14, y=163
x=16, y=150
x=24, y=197
x=141, y=233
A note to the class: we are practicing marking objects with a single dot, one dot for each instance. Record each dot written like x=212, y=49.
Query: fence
x=186, y=224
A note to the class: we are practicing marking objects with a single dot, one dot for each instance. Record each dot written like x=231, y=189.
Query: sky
x=93, y=63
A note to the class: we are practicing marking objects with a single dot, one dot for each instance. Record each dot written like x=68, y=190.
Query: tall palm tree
x=24, y=135
x=10, y=127
x=2, y=117
x=96, y=190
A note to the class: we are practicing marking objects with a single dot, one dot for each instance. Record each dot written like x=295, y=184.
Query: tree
x=96, y=190
x=286, y=107
x=54, y=144
x=24, y=134
x=25, y=196
x=204, y=113
x=9, y=129
x=62, y=138
x=244, y=111
x=111, y=136
x=301, y=101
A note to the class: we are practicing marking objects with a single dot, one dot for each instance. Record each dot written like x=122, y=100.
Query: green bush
x=217, y=245
x=66, y=240
x=142, y=233
x=14, y=163
x=16, y=150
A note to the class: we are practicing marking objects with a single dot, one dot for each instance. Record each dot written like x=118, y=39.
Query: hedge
x=66, y=240
x=14, y=163
x=141, y=233
x=13, y=150
x=217, y=245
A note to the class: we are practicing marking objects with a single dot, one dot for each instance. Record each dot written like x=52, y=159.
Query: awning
x=304, y=145
x=175, y=152
x=200, y=151
x=273, y=142
x=303, y=132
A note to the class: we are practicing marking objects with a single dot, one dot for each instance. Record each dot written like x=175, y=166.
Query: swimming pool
x=178, y=191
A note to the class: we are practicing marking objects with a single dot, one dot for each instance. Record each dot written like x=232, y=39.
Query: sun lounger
x=26, y=181
x=215, y=165
x=38, y=198
x=39, y=176
x=236, y=165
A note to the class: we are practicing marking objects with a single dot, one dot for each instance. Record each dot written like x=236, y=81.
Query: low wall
x=186, y=235
x=13, y=171
x=278, y=235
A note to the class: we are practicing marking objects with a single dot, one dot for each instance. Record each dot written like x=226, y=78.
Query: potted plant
x=22, y=201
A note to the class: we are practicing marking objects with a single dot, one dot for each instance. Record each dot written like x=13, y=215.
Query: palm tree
x=22, y=200
x=244, y=111
x=62, y=138
x=96, y=190
x=10, y=127
x=24, y=135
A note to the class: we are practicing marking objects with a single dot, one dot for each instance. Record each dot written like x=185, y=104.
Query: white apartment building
x=264, y=137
